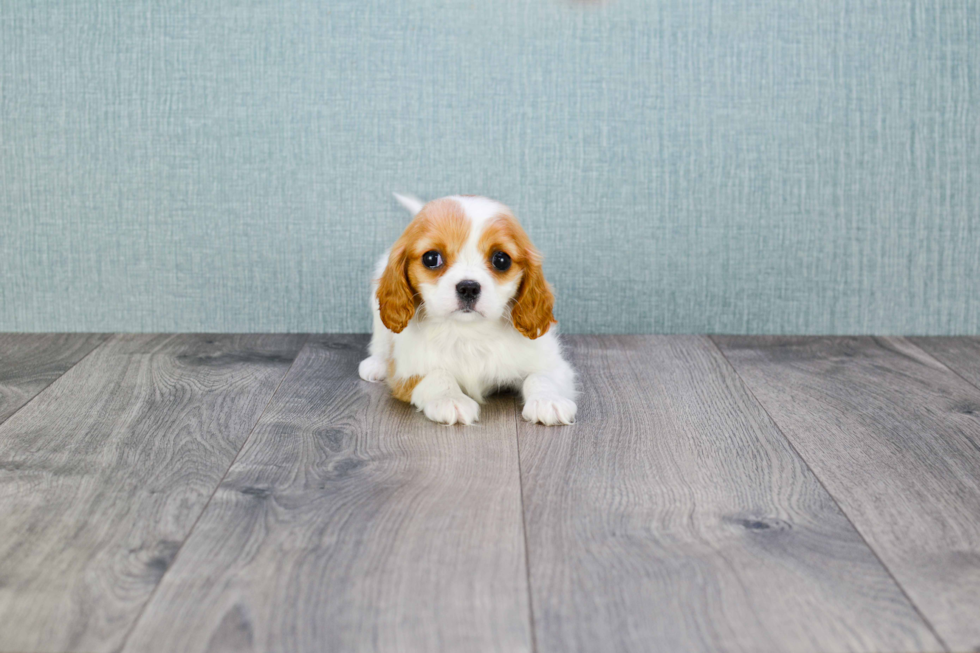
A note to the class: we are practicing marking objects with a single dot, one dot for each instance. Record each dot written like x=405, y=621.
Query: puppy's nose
x=468, y=290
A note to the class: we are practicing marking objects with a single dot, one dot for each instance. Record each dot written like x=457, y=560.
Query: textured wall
x=739, y=166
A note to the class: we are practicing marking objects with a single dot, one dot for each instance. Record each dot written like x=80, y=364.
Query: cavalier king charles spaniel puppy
x=461, y=310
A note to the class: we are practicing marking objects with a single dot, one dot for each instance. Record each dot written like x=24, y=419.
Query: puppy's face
x=465, y=259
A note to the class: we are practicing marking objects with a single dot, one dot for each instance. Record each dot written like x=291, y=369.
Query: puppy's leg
x=549, y=396
x=374, y=368
x=441, y=399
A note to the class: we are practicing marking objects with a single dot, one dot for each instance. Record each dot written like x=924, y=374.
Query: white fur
x=410, y=202
x=463, y=357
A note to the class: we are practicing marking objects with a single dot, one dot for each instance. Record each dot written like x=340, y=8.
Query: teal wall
x=741, y=166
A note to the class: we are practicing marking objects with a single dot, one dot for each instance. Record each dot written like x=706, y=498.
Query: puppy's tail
x=410, y=202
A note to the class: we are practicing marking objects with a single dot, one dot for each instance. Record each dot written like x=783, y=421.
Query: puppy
x=461, y=310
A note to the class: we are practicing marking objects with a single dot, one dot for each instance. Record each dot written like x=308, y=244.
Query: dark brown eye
x=432, y=259
x=500, y=260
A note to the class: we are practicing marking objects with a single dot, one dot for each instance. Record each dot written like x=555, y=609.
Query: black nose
x=468, y=290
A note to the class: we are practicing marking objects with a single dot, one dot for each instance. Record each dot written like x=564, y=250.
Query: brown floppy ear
x=532, y=312
x=396, y=299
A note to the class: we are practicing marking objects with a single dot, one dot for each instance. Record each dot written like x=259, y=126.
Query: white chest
x=481, y=357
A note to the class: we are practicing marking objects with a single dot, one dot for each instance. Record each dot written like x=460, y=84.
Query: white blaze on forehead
x=479, y=211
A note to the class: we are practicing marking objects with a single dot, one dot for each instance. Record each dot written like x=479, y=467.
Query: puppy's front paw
x=457, y=409
x=373, y=369
x=550, y=410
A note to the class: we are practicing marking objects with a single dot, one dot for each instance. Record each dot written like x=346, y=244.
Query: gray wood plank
x=895, y=437
x=351, y=523
x=673, y=516
x=960, y=354
x=103, y=475
x=30, y=362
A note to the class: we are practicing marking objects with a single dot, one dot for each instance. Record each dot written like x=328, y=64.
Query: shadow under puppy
x=462, y=310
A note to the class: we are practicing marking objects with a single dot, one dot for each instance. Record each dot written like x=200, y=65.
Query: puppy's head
x=466, y=259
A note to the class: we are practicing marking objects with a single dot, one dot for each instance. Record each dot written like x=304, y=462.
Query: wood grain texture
x=103, y=475
x=962, y=355
x=673, y=516
x=895, y=437
x=351, y=523
x=30, y=362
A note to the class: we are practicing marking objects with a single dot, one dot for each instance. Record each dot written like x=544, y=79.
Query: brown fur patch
x=532, y=310
x=401, y=389
x=440, y=225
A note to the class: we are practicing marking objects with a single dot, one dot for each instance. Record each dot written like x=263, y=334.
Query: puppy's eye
x=432, y=259
x=500, y=260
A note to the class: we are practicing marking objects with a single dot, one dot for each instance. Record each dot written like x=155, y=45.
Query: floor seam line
x=833, y=498
x=950, y=368
x=527, y=552
x=102, y=344
x=190, y=532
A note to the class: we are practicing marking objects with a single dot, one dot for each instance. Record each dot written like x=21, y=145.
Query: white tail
x=410, y=202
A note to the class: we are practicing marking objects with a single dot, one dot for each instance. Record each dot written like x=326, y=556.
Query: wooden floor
x=250, y=493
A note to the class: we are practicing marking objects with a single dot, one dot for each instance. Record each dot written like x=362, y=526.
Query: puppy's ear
x=396, y=298
x=532, y=311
